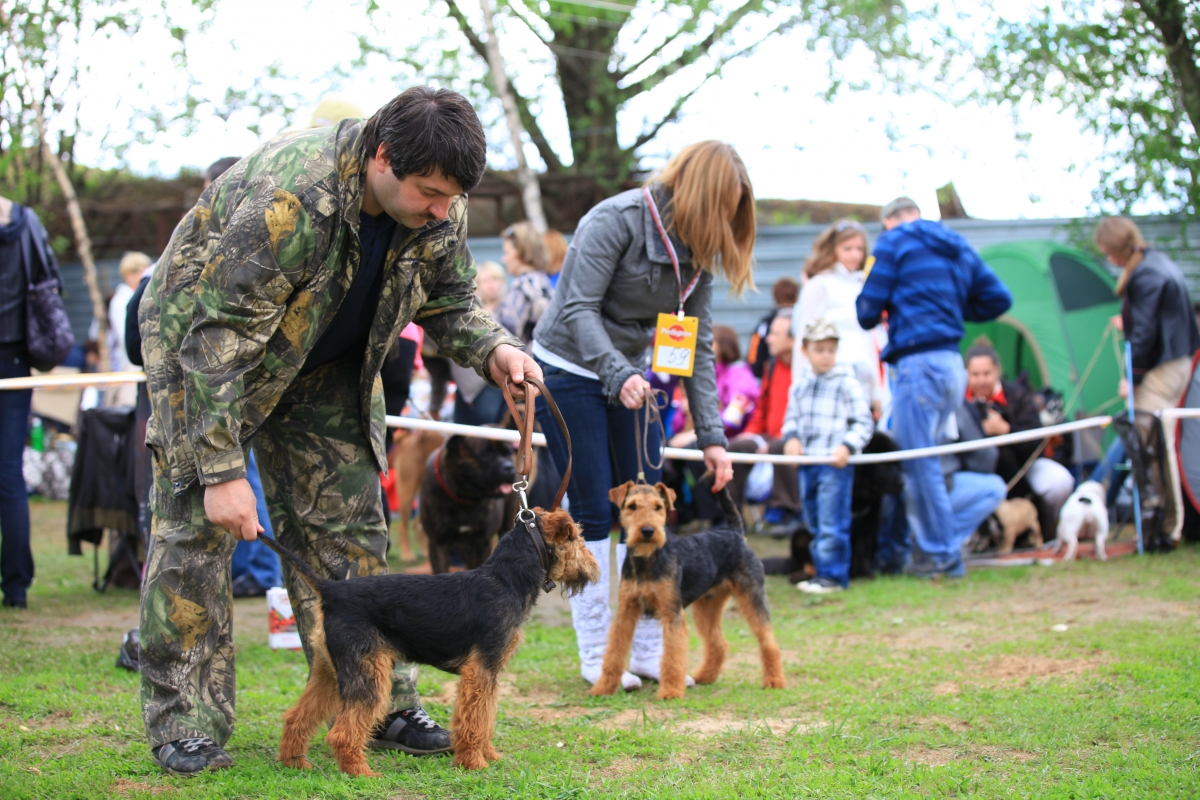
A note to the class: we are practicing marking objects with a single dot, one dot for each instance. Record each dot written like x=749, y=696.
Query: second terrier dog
x=663, y=574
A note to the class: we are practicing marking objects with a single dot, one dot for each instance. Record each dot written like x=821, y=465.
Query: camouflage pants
x=322, y=489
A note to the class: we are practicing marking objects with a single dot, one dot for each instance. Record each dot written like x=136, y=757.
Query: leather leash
x=641, y=435
x=524, y=460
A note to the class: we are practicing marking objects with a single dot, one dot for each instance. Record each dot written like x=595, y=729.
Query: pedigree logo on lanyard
x=675, y=334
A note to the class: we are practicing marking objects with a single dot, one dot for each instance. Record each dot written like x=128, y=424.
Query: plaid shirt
x=827, y=410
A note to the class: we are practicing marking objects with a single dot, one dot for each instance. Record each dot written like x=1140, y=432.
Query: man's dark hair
x=217, y=168
x=983, y=351
x=426, y=130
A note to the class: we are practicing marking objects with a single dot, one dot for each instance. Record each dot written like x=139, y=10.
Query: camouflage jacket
x=253, y=276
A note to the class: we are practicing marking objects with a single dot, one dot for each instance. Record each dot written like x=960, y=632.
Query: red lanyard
x=684, y=294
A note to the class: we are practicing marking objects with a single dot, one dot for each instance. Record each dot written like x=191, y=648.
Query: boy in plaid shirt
x=827, y=415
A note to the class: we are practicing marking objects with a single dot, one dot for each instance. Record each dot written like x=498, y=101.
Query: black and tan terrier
x=468, y=623
x=663, y=574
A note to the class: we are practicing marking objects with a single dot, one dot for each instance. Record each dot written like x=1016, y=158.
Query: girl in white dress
x=833, y=277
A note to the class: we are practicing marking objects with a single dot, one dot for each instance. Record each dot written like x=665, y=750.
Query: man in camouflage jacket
x=253, y=278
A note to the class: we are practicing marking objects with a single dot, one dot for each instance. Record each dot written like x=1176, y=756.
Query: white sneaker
x=819, y=586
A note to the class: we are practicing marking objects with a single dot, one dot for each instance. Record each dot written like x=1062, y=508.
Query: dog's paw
x=471, y=759
x=706, y=676
x=774, y=682
x=491, y=753
x=670, y=693
x=360, y=771
x=296, y=762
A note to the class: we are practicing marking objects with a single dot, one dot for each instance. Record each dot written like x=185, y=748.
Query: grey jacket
x=616, y=279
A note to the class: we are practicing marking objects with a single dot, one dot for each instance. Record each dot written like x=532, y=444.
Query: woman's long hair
x=710, y=187
x=824, y=248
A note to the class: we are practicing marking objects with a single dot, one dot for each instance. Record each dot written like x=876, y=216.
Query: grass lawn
x=895, y=689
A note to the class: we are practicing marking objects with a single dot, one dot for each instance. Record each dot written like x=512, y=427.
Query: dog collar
x=539, y=544
x=437, y=473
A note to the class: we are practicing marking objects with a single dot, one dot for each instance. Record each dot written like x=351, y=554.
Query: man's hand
x=633, y=392
x=841, y=457
x=507, y=361
x=1123, y=389
x=717, y=461
x=792, y=447
x=231, y=505
x=1118, y=322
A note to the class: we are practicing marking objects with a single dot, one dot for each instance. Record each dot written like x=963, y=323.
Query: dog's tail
x=311, y=578
x=733, y=515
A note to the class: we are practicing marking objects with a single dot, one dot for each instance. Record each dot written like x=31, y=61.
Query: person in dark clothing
x=758, y=355
x=1002, y=407
x=1157, y=319
x=929, y=281
x=22, y=237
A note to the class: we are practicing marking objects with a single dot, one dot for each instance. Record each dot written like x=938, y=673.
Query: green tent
x=1057, y=326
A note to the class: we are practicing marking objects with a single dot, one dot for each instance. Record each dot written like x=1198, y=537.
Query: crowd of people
x=264, y=326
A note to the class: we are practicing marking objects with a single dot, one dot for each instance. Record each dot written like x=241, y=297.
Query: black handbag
x=48, y=335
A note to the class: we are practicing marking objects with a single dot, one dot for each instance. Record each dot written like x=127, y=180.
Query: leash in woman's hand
x=652, y=415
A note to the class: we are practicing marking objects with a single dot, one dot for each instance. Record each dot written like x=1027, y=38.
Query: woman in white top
x=834, y=277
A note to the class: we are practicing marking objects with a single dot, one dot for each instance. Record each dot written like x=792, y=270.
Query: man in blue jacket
x=928, y=280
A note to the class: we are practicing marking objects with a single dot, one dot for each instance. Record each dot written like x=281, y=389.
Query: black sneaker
x=188, y=757
x=819, y=586
x=129, y=655
x=411, y=731
x=15, y=603
x=246, y=586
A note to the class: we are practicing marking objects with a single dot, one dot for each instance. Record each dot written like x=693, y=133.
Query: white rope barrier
x=679, y=454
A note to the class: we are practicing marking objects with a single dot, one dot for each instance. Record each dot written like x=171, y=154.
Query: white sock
x=591, y=616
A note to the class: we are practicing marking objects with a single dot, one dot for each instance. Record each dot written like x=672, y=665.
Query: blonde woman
x=644, y=252
x=529, y=294
x=834, y=274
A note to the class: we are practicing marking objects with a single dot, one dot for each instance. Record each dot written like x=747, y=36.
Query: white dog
x=1084, y=513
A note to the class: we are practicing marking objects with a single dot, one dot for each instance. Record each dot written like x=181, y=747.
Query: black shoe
x=411, y=731
x=15, y=603
x=188, y=757
x=246, y=586
x=129, y=655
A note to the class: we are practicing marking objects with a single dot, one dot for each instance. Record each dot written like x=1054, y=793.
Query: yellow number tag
x=675, y=345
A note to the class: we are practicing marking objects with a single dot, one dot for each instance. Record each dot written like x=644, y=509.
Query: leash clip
x=519, y=487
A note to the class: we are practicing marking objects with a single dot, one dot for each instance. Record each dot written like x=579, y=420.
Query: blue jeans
x=927, y=389
x=16, y=559
x=255, y=558
x=602, y=437
x=972, y=498
x=825, y=495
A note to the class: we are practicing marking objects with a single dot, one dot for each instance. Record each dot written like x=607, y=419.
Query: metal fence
x=781, y=251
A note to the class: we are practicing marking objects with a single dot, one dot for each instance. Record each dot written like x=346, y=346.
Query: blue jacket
x=929, y=280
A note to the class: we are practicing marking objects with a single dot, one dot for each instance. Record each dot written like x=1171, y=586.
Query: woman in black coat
x=1160, y=326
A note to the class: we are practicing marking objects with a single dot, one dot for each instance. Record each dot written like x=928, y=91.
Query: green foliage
x=598, y=55
x=1130, y=70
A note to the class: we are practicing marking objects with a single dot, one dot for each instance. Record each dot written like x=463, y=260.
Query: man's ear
x=667, y=494
x=617, y=493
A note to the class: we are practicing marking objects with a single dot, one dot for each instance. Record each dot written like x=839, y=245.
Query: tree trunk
x=83, y=244
x=531, y=193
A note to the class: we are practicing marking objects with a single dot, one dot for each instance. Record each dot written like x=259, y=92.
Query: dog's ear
x=617, y=493
x=557, y=526
x=667, y=494
x=455, y=444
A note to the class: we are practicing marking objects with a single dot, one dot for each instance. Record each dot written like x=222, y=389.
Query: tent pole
x=1137, y=495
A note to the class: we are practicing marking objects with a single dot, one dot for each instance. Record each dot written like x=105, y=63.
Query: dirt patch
x=123, y=787
x=632, y=718
x=941, y=756
x=956, y=725
x=946, y=688
x=1018, y=669
x=552, y=714
x=1082, y=600
x=618, y=769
